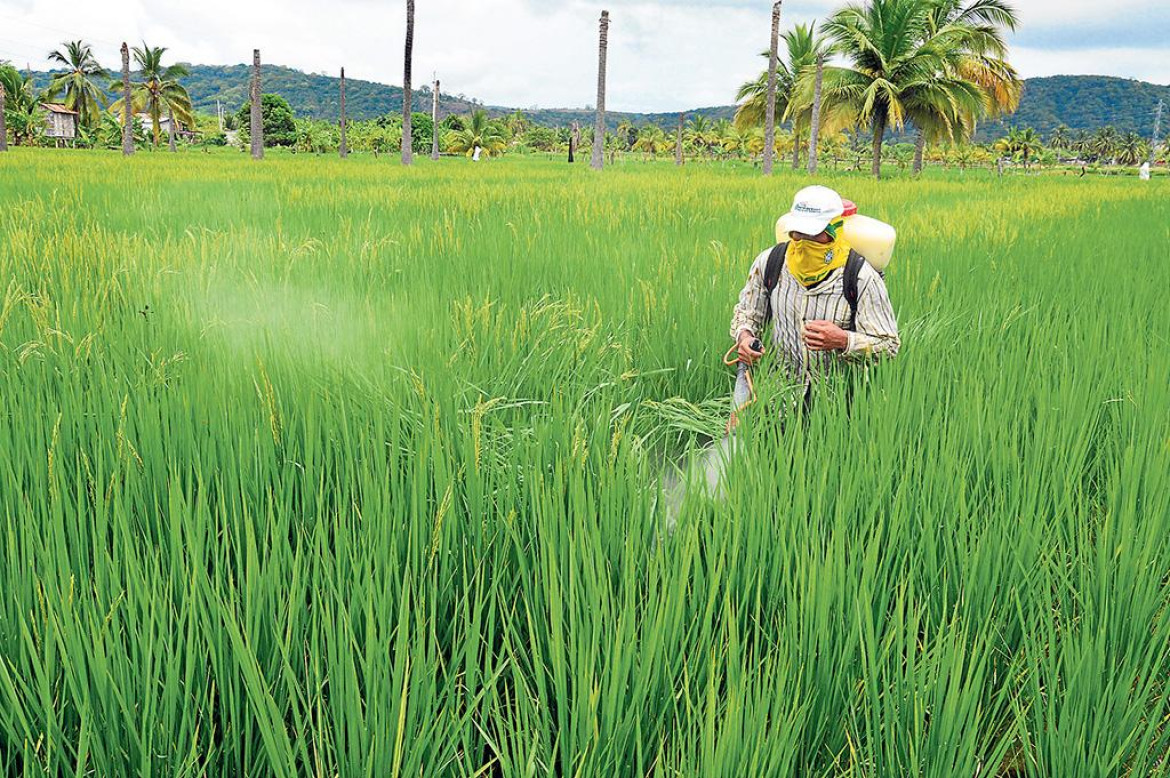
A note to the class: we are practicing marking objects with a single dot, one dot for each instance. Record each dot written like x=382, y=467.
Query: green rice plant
x=316, y=467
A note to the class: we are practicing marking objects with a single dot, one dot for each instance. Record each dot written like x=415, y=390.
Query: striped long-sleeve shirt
x=793, y=305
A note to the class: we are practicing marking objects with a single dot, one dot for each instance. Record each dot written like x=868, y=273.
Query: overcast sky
x=663, y=56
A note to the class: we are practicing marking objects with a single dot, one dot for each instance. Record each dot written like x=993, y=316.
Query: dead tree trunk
x=257, y=126
x=3, y=127
x=435, y=121
x=407, y=107
x=598, y=158
x=127, y=108
x=815, y=129
x=343, y=146
x=770, y=108
x=678, y=141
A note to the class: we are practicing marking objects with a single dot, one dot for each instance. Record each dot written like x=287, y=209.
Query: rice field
x=331, y=468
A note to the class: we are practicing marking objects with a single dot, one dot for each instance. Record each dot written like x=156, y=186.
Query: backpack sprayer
x=872, y=239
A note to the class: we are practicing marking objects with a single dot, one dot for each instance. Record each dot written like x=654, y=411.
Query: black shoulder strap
x=852, y=292
x=772, y=277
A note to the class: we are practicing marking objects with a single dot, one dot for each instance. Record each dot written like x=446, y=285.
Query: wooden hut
x=60, y=123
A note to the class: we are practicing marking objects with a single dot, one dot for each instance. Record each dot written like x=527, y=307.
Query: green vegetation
x=156, y=91
x=1081, y=102
x=276, y=117
x=1084, y=103
x=340, y=468
x=80, y=84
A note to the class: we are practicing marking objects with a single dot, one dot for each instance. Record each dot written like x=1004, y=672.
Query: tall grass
x=315, y=468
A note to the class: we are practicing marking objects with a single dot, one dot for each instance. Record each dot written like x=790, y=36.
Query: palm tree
x=699, y=133
x=627, y=132
x=983, y=61
x=478, y=131
x=78, y=83
x=517, y=123
x=735, y=140
x=652, y=140
x=1060, y=138
x=802, y=47
x=1104, y=144
x=23, y=115
x=159, y=90
x=408, y=61
x=1132, y=149
x=1021, y=144
x=900, y=68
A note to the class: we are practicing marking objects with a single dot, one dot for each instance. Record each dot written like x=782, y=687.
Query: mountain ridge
x=1080, y=102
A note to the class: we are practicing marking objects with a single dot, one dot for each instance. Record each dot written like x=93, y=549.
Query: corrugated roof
x=57, y=108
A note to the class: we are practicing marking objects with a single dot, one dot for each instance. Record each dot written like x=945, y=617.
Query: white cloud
x=668, y=55
x=1143, y=64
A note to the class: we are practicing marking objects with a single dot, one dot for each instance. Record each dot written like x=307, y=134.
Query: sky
x=663, y=56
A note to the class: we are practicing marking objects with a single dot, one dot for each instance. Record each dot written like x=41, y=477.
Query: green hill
x=1084, y=103
x=1081, y=102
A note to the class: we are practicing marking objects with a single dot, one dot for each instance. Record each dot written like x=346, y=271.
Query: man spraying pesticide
x=821, y=289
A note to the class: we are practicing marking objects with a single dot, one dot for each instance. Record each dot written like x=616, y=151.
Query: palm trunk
x=435, y=121
x=3, y=127
x=171, y=130
x=815, y=129
x=919, y=152
x=770, y=108
x=598, y=159
x=407, y=137
x=795, y=150
x=879, y=135
x=257, y=116
x=156, y=120
x=127, y=115
x=343, y=146
x=678, y=142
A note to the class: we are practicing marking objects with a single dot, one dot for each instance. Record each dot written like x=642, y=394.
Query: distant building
x=60, y=122
x=164, y=126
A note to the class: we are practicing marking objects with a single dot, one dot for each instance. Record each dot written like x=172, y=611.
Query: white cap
x=813, y=209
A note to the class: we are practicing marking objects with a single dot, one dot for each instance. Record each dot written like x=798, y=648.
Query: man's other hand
x=824, y=335
x=744, y=347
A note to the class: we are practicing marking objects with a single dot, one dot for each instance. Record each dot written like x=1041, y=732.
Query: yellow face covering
x=811, y=262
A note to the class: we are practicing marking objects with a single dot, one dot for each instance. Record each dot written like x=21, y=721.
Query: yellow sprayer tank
x=871, y=238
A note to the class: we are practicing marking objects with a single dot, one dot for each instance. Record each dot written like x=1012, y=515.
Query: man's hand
x=744, y=346
x=824, y=335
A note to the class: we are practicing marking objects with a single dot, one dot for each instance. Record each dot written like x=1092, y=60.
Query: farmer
x=817, y=323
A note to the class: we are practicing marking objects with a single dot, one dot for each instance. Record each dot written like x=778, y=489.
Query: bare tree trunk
x=815, y=129
x=257, y=115
x=343, y=146
x=435, y=121
x=3, y=128
x=770, y=108
x=127, y=109
x=919, y=152
x=171, y=130
x=678, y=149
x=598, y=159
x=879, y=133
x=407, y=137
